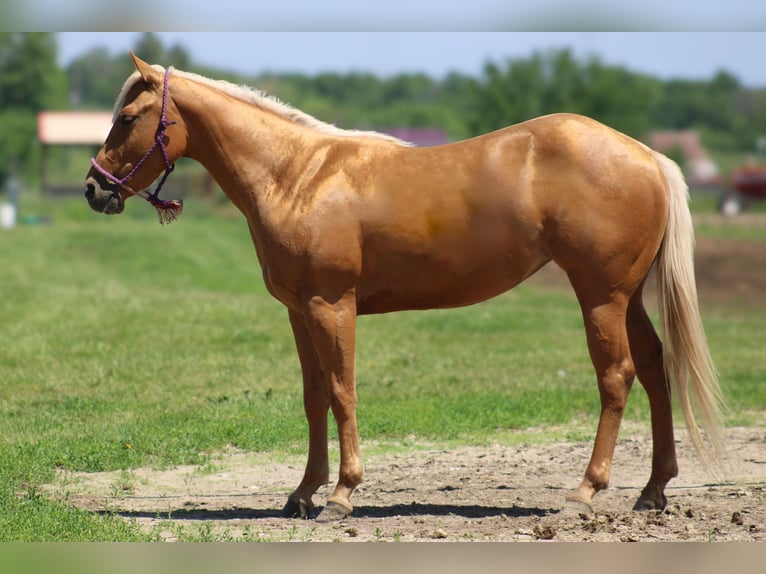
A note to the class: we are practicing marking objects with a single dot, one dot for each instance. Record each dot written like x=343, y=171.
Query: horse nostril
x=90, y=191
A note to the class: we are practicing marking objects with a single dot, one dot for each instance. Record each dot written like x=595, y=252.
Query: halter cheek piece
x=167, y=209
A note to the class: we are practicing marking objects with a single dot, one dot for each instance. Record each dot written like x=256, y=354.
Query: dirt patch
x=495, y=493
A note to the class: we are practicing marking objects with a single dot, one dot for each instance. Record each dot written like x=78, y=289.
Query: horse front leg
x=332, y=326
x=316, y=403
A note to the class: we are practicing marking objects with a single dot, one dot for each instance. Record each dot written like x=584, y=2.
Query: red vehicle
x=747, y=183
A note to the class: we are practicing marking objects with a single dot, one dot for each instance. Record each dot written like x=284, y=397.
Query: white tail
x=685, y=350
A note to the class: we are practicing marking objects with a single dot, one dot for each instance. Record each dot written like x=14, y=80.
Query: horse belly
x=452, y=274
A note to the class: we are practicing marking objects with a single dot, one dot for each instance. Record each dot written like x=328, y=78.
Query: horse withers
x=347, y=223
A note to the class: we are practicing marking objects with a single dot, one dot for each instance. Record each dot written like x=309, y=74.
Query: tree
x=620, y=98
x=95, y=78
x=30, y=81
x=555, y=81
x=29, y=75
x=727, y=114
x=149, y=48
x=178, y=56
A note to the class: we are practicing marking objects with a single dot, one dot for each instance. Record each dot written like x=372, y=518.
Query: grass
x=127, y=344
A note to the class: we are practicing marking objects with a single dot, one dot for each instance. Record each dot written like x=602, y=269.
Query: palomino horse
x=347, y=223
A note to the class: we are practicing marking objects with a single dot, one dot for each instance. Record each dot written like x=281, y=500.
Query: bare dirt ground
x=497, y=493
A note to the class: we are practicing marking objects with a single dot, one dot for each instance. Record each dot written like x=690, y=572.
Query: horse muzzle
x=103, y=200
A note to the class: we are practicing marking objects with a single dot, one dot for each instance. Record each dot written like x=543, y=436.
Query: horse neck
x=246, y=149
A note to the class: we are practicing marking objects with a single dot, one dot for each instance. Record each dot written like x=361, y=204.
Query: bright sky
x=664, y=54
x=402, y=15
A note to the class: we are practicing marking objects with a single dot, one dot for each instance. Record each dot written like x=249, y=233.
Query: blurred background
x=698, y=97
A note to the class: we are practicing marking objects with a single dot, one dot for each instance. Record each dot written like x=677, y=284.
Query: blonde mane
x=260, y=99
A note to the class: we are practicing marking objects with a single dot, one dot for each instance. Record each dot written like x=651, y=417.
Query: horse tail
x=685, y=352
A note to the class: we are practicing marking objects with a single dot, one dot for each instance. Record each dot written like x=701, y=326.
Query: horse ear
x=148, y=73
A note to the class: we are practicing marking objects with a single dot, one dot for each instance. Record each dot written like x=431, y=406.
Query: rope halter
x=167, y=209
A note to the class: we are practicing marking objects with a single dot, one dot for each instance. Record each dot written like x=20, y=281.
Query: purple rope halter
x=167, y=209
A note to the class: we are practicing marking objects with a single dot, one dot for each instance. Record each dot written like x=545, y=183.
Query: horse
x=347, y=223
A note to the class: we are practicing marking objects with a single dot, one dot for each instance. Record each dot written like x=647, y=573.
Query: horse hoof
x=575, y=506
x=645, y=504
x=297, y=509
x=333, y=512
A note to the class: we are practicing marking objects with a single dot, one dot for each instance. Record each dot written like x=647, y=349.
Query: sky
x=402, y=15
x=694, y=55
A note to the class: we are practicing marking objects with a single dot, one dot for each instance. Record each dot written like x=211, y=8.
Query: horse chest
x=281, y=282
x=292, y=274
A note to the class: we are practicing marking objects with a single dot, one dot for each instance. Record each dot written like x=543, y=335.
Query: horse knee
x=615, y=385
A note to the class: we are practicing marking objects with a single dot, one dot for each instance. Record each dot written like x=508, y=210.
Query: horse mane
x=262, y=100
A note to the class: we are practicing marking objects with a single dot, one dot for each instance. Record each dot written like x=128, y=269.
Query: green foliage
x=96, y=77
x=19, y=150
x=30, y=81
x=712, y=105
x=557, y=82
x=31, y=517
x=505, y=93
x=29, y=76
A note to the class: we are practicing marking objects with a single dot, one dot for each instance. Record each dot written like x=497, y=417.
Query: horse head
x=138, y=148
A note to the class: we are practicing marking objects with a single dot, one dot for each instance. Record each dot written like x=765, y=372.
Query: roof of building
x=73, y=128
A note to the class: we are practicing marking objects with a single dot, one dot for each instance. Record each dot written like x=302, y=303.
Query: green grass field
x=127, y=344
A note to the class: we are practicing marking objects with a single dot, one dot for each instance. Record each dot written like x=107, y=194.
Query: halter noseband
x=167, y=209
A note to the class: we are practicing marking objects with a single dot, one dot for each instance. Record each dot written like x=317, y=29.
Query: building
x=698, y=166
x=69, y=129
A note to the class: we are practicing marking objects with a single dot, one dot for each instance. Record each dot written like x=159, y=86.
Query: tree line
x=729, y=116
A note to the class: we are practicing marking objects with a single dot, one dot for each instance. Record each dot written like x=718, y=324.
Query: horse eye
x=128, y=120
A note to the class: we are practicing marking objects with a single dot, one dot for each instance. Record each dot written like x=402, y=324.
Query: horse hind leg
x=646, y=349
x=605, y=327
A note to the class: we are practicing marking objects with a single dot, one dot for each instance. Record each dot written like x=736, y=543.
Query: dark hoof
x=333, y=512
x=297, y=509
x=645, y=504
